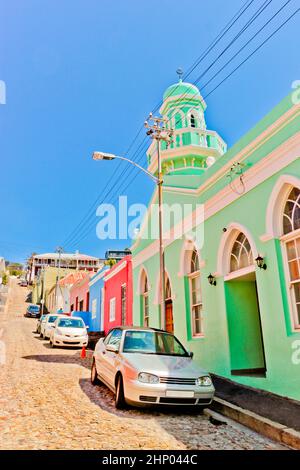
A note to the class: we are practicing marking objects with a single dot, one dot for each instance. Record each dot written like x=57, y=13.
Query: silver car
x=147, y=366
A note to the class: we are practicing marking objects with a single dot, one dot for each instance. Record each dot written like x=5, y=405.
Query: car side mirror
x=112, y=348
x=191, y=354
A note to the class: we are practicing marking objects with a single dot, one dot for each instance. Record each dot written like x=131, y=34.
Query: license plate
x=179, y=394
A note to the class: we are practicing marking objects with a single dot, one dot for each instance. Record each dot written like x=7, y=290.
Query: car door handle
x=103, y=352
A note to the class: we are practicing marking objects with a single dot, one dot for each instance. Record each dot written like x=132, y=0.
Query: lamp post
x=158, y=132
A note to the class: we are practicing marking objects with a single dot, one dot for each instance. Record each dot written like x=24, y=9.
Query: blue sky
x=83, y=75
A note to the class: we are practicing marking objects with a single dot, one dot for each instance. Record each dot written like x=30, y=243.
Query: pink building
x=79, y=294
x=118, y=295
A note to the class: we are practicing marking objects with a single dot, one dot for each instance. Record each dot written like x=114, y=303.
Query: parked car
x=39, y=323
x=33, y=311
x=69, y=331
x=23, y=283
x=144, y=366
x=48, y=325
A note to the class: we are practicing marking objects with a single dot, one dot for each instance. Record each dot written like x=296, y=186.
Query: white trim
x=277, y=201
x=227, y=240
x=240, y=273
x=112, y=309
x=142, y=271
x=98, y=277
x=188, y=246
x=288, y=282
x=114, y=271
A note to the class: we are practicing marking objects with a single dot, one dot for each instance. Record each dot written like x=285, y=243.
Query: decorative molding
x=226, y=243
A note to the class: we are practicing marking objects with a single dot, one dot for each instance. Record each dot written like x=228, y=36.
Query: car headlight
x=148, y=378
x=204, y=381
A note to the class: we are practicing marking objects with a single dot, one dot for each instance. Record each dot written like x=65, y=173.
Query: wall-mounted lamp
x=212, y=280
x=260, y=262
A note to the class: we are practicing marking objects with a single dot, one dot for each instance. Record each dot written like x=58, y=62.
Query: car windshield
x=52, y=318
x=70, y=323
x=153, y=342
x=34, y=307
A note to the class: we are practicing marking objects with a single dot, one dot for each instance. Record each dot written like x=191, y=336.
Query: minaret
x=194, y=148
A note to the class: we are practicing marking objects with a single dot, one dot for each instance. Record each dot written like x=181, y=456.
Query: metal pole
x=59, y=251
x=161, y=245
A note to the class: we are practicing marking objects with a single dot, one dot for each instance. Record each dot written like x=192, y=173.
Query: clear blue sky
x=83, y=75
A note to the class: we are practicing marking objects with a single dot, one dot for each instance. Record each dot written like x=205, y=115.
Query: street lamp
x=158, y=181
x=111, y=156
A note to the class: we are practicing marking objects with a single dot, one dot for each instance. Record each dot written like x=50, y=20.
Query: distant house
x=77, y=261
x=79, y=294
x=59, y=294
x=118, y=295
x=44, y=284
x=117, y=255
x=96, y=307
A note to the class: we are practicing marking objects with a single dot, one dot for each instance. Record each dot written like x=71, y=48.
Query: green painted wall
x=219, y=349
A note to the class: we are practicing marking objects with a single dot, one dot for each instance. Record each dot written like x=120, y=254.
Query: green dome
x=181, y=88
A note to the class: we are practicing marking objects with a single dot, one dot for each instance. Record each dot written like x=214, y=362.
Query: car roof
x=138, y=328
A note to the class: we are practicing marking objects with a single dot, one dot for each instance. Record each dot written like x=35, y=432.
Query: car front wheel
x=94, y=375
x=120, y=403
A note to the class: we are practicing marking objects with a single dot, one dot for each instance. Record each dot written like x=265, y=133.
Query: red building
x=118, y=295
x=79, y=294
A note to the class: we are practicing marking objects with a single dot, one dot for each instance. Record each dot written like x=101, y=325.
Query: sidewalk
x=274, y=407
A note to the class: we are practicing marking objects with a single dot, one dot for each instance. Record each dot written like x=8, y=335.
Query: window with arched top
x=291, y=230
x=195, y=293
x=193, y=121
x=145, y=299
x=241, y=254
x=291, y=216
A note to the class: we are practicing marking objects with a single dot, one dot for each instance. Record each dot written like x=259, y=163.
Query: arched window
x=195, y=294
x=291, y=216
x=193, y=121
x=291, y=229
x=241, y=254
x=145, y=299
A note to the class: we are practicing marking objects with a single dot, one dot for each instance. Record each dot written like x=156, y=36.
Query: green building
x=233, y=273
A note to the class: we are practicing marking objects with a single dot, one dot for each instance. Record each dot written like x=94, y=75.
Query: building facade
x=79, y=294
x=96, y=307
x=232, y=253
x=118, y=295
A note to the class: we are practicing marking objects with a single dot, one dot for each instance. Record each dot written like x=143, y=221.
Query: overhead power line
x=79, y=237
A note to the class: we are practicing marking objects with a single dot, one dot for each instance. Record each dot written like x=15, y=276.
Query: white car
x=47, y=326
x=69, y=331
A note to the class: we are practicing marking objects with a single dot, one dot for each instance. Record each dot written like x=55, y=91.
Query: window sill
x=195, y=337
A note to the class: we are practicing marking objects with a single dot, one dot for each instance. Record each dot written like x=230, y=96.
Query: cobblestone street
x=47, y=402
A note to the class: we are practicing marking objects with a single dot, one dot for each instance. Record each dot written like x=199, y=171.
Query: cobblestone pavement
x=47, y=402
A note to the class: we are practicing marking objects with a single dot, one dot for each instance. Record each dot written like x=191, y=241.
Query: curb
x=276, y=431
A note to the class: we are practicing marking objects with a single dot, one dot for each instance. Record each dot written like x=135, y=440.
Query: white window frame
x=94, y=309
x=191, y=276
x=112, y=309
x=289, y=283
